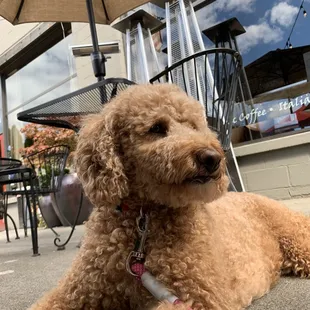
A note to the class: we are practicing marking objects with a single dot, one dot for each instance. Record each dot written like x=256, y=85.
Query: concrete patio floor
x=23, y=278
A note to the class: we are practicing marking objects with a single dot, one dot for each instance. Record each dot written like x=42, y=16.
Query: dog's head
x=151, y=141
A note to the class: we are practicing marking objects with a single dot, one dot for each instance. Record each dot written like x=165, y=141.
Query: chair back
x=49, y=166
x=5, y=164
x=9, y=163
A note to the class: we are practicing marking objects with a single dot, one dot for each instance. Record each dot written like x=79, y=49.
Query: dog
x=149, y=155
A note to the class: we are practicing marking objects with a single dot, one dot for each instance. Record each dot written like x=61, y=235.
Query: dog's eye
x=159, y=128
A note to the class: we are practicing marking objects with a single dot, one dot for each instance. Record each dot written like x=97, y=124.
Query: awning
x=277, y=69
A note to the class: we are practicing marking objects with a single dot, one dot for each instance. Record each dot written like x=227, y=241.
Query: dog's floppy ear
x=98, y=163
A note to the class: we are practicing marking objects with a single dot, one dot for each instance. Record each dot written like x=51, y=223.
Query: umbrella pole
x=97, y=58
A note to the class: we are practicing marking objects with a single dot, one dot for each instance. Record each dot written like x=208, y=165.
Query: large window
x=271, y=117
x=49, y=76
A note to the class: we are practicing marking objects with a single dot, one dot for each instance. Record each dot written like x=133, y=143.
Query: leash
x=135, y=265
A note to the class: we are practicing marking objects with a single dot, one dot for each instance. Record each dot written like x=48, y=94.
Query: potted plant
x=37, y=138
x=68, y=201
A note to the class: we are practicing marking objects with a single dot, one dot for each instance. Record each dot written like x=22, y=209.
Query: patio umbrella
x=277, y=69
x=92, y=11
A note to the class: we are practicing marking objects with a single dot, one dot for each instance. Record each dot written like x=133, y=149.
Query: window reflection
x=49, y=76
x=271, y=118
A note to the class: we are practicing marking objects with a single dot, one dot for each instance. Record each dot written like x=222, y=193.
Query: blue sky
x=268, y=23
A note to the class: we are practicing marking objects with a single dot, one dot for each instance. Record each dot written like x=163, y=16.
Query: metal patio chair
x=5, y=164
x=49, y=168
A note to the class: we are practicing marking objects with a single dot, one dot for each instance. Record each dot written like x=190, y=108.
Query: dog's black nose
x=210, y=159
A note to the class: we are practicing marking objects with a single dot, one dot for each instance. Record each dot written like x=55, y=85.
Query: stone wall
x=279, y=174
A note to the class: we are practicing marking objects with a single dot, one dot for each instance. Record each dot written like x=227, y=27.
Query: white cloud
x=283, y=14
x=208, y=16
x=261, y=33
x=235, y=5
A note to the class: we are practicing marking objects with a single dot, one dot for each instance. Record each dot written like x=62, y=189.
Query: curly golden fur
x=213, y=249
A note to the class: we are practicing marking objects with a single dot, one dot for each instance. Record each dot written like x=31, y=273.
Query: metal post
x=182, y=43
x=5, y=124
x=210, y=78
x=186, y=28
x=97, y=58
x=168, y=27
x=183, y=55
x=128, y=54
x=201, y=46
x=247, y=87
x=235, y=162
x=231, y=157
x=188, y=39
x=196, y=26
x=153, y=50
x=143, y=54
x=138, y=67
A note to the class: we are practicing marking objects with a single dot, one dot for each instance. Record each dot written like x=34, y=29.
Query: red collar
x=123, y=207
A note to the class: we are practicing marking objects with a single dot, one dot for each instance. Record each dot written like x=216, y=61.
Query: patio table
x=67, y=111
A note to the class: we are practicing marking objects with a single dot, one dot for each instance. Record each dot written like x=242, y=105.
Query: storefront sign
x=254, y=115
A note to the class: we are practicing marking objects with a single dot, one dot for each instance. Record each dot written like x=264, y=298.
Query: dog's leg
x=83, y=287
x=96, y=278
x=292, y=230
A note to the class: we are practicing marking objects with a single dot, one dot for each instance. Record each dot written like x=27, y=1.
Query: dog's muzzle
x=208, y=163
x=209, y=159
